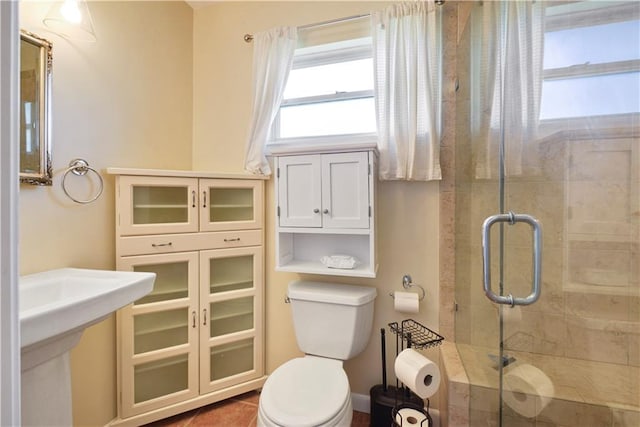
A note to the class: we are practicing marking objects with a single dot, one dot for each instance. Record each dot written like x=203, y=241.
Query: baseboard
x=362, y=403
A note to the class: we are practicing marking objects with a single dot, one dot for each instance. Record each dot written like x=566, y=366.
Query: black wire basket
x=415, y=334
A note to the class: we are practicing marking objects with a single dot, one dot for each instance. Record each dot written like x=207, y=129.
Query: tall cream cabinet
x=197, y=338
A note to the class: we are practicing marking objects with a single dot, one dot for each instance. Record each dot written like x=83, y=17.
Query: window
x=591, y=60
x=329, y=94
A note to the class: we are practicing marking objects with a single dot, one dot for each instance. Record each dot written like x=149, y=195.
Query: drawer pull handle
x=193, y=315
x=204, y=199
x=235, y=239
x=193, y=199
x=157, y=245
x=204, y=317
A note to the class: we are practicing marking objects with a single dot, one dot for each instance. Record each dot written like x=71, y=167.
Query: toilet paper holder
x=418, y=336
x=407, y=283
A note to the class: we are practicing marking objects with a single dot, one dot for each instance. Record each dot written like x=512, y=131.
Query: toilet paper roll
x=511, y=320
x=417, y=372
x=511, y=316
x=411, y=417
x=406, y=302
x=527, y=390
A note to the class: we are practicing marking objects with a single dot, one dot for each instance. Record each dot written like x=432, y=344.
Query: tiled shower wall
x=584, y=191
x=568, y=321
x=454, y=385
x=596, y=321
x=448, y=165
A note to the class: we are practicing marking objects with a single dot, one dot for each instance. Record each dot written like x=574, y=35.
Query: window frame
x=314, y=56
x=588, y=18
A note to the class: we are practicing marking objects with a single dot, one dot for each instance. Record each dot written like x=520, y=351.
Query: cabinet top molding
x=293, y=149
x=182, y=173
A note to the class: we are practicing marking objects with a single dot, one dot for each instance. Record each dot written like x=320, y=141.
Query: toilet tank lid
x=334, y=293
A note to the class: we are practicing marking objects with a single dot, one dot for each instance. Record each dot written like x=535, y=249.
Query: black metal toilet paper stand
x=411, y=334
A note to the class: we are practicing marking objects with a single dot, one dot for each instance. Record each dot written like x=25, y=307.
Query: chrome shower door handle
x=511, y=219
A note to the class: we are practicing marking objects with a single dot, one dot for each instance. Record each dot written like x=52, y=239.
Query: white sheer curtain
x=507, y=60
x=408, y=67
x=272, y=59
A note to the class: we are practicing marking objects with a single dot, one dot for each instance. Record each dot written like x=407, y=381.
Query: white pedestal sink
x=55, y=308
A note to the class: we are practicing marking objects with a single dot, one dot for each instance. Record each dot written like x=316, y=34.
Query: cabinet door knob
x=316, y=210
x=326, y=211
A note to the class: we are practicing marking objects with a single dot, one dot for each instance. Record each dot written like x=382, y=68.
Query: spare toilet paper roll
x=406, y=302
x=511, y=315
x=417, y=372
x=512, y=320
x=527, y=390
x=411, y=417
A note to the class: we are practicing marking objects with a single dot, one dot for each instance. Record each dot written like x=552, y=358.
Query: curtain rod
x=249, y=37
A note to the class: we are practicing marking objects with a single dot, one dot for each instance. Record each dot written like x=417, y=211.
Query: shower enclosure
x=548, y=199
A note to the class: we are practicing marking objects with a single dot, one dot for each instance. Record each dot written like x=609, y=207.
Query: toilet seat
x=306, y=391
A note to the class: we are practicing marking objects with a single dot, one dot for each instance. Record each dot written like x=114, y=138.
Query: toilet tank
x=331, y=320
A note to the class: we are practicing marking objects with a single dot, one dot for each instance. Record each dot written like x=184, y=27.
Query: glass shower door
x=552, y=92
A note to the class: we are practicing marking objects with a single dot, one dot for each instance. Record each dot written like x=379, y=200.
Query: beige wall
x=408, y=213
x=125, y=100
x=130, y=100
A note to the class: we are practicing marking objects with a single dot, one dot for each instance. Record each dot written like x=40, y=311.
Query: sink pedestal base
x=46, y=382
x=46, y=393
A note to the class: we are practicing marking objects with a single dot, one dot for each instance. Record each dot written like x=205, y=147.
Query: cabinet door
x=231, y=317
x=345, y=190
x=230, y=204
x=299, y=191
x=157, y=205
x=158, y=335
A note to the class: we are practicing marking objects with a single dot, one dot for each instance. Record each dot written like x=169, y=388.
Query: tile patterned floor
x=240, y=411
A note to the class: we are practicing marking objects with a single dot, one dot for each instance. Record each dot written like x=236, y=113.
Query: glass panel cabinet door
x=231, y=359
x=154, y=205
x=159, y=334
x=231, y=314
x=230, y=204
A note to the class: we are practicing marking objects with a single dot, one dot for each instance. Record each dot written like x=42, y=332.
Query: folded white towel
x=346, y=262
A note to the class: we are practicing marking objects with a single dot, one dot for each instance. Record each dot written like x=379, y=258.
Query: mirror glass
x=35, y=101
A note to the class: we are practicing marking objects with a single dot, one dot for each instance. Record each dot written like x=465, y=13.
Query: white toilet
x=332, y=324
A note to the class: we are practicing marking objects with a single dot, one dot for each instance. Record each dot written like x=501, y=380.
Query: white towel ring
x=80, y=167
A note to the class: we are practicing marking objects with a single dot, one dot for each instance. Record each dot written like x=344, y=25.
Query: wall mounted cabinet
x=325, y=206
x=198, y=336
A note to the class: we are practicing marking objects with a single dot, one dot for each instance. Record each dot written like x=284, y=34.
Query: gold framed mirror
x=35, y=109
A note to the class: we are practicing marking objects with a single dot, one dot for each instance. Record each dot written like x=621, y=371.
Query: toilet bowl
x=332, y=323
x=306, y=392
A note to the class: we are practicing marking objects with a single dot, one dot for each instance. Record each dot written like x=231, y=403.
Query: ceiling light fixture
x=71, y=19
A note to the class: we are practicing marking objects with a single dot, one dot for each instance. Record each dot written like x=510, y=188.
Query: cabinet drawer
x=166, y=243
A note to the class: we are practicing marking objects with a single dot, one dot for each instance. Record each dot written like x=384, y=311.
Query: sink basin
x=55, y=308
x=57, y=302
